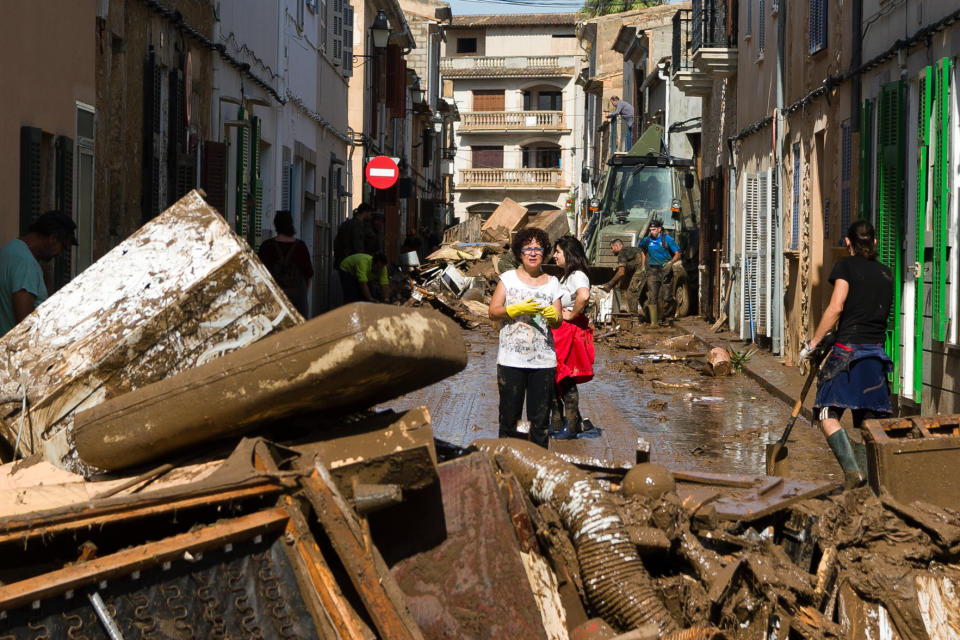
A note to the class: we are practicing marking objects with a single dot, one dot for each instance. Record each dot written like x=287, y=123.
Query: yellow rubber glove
x=528, y=307
x=550, y=313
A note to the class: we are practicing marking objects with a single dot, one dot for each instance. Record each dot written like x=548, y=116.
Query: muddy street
x=690, y=420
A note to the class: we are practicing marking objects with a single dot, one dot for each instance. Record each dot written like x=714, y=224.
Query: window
x=466, y=45
x=488, y=100
x=550, y=101
x=300, y=4
x=818, y=25
x=541, y=157
x=749, y=33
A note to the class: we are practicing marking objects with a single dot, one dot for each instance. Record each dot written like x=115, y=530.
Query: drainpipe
x=778, y=317
x=661, y=67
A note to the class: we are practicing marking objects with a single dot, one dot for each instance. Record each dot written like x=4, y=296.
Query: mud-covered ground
x=691, y=420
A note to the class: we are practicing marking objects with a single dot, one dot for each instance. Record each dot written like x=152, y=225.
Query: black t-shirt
x=865, y=311
x=629, y=257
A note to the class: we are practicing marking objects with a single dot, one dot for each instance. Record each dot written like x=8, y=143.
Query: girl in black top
x=854, y=374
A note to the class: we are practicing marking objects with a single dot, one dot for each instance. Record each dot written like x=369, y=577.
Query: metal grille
x=795, y=236
x=818, y=25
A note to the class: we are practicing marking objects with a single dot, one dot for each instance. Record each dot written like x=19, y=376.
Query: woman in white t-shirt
x=527, y=302
x=572, y=340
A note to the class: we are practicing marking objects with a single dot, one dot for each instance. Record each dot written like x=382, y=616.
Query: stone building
x=511, y=77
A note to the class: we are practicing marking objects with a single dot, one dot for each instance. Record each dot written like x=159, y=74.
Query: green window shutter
x=890, y=164
x=63, y=264
x=941, y=199
x=256, y=183
x=864, y=157
x=243, y=167
x=924, y=100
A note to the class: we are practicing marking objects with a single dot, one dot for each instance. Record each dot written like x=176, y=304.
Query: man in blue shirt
x=658, y=254
x=21, y=277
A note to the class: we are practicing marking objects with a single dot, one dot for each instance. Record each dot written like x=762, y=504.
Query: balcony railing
x=713, y=26
x=686, y=76
x=682, y=59
x=516, y=178
x=505, y=65
x=714, y=37
x=512, y=121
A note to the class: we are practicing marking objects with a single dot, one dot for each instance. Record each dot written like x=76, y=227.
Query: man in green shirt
x=355, y=274
x=22, y=288
x=629, y=268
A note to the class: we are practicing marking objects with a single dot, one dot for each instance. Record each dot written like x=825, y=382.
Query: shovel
x=777, y=463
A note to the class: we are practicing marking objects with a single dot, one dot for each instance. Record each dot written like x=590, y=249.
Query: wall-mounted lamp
x=437, y=123
x=380, y=30
x=416, y=93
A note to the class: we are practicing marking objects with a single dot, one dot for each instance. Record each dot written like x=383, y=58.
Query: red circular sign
x=382, y=172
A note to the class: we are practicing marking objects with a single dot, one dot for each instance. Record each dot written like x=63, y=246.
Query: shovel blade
x=778, y=464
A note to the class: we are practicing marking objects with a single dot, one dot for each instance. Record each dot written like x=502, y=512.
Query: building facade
x=50, y=123
x=512, y=80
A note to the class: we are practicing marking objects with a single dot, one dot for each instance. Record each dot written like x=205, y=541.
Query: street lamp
x=437, y=122
x=416, y=93
x=380, y=30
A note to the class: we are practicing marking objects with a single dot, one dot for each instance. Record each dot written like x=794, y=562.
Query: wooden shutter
x=846, y=174
x=924, y=105
x=487, y=157
x=347, y=40
x=941, y=199
x=761, y=27
x=31, y=175
x=243, y=167
x=864, y=157
x=336, y=25
x=256, y=183
x=63, y=265
x=890, y=141
x=213, y=175
x=488, y=100
x=795, y=235
x=150, y=198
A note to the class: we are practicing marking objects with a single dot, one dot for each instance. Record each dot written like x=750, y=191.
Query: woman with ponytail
x=854, y=374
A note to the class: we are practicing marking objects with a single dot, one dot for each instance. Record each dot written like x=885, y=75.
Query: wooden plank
x=717, y=479
x=384, y=602
x=745, y=503
x=140, y=557
x=21, y=530
x=335, y=611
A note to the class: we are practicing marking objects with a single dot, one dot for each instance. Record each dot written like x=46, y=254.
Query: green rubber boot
x=843, y=450
x=654, y=312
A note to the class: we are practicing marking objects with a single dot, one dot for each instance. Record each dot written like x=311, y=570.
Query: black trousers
x=566, y=404
x=537, y=386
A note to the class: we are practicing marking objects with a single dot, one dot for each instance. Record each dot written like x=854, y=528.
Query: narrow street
x=690, y=420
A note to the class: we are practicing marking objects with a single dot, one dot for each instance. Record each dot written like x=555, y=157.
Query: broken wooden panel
x=474, y=584
x=553, y=222
x=179, y=292
x=506, y=218
x=352, y=357
x=384, y=601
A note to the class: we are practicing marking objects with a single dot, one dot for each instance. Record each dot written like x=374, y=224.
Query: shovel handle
x=799, y=404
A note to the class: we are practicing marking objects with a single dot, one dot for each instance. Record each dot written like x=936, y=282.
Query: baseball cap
x=56, y=222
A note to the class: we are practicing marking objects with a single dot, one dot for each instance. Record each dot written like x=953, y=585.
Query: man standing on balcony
x=623, y=109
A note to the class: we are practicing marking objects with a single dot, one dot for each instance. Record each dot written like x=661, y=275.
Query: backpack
x=285, y=271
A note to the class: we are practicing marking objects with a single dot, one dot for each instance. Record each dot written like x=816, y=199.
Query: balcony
x=510, y=179
x=501, y=121
x=508, y=66
x=714, y=37
x=688, y=78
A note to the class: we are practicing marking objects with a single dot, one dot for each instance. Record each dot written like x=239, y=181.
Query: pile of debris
x=179, y=477
x=459, y=277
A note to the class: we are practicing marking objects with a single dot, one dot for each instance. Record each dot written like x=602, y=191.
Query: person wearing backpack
x=288, y=260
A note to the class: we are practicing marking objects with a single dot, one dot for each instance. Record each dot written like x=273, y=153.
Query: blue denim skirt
x=855, y=377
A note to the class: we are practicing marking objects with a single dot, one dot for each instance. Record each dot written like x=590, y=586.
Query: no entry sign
x=382, y=172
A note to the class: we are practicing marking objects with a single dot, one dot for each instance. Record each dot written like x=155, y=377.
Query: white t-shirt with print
x=568, y=288
x=526, y=341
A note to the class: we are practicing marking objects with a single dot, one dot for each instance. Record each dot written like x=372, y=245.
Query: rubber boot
x=564, y=434
x=654, y=313
x=843, y=450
